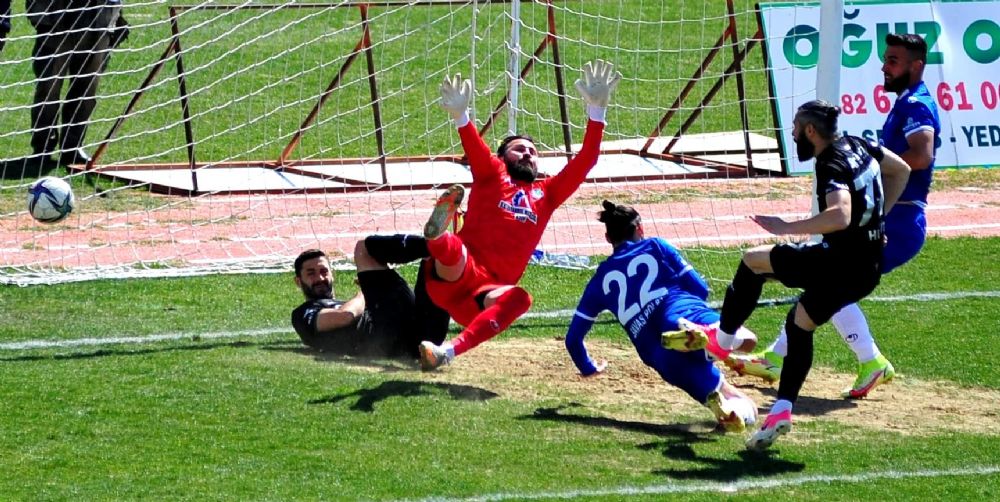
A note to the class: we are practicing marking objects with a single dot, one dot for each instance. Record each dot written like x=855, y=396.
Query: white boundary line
x=552, y=314
x=731, y=487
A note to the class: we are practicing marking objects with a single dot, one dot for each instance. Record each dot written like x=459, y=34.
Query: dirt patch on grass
x=541, y=370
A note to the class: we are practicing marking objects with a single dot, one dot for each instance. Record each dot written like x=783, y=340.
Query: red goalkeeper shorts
x=459, y=297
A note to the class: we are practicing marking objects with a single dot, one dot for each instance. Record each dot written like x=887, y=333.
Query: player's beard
x=898, y=84
x=318, y=291
x=521, y=171
x=804, y=148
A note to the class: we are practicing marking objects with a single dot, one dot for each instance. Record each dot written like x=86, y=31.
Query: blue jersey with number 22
x=647, y=285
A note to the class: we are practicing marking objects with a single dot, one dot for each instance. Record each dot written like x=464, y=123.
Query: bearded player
x=912, y=131
x=473, y=274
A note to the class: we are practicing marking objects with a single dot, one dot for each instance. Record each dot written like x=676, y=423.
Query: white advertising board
x=962, y=72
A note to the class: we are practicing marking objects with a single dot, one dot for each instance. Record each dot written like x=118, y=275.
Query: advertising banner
x=962, y=72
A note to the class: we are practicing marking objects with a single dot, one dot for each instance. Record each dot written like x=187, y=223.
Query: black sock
x=398, y=248
x=741, y=298
x=798, y=361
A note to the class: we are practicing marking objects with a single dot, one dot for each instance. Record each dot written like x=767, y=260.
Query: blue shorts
x=905, y=231
x=692, y=372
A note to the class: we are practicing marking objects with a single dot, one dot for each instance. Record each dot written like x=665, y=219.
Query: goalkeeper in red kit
x=473, y=274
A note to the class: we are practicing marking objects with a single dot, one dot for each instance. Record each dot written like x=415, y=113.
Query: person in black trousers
x=75, y=38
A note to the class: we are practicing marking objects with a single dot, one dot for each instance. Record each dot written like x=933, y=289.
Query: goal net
x=229, y=136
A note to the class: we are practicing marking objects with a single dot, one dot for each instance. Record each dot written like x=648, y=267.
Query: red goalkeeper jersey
x=506, y=217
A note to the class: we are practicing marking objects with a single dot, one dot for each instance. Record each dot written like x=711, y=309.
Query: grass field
x=196, y=389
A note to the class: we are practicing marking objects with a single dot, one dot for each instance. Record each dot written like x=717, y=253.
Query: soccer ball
x=50, y=199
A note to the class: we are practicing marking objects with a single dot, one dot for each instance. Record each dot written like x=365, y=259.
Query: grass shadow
x=814, y=406
x=368, y=398
x=383, y=363
x=747, y=464
x=126, y=351
x=678, y=445
x=26, y=168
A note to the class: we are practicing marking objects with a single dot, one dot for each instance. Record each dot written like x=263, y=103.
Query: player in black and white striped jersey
x=857, y=183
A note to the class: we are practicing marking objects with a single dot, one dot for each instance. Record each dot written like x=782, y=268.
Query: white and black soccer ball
x=50, y=199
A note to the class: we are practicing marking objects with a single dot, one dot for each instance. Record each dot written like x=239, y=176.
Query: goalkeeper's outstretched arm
x=596, y=85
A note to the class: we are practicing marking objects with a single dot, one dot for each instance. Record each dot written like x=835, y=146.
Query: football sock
x=780, y=346
x=853, y=328
x=780, y=406
x=493, y=320
x=399, y=248
x=446, y=249
x=741, y=298
x=798, y=361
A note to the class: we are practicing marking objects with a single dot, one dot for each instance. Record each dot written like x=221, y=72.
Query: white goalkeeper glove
x=455, y=96
x=599, y=80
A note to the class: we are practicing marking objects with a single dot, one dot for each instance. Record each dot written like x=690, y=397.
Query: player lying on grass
x=384, y=319
x=857, y=183
x=651, y=289
x=912, y=131
x=474, y=273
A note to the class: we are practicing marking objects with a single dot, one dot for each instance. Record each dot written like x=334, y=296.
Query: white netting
x=253, y=74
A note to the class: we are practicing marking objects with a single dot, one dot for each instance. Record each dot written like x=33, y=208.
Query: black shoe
x=74, y=157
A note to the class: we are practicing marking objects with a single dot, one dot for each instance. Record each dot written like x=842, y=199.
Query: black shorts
x=831, y=277
x=388, y=317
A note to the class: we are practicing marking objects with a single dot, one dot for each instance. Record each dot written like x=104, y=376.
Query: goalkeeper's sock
x=853, y=328
x=493, y=320
x=446, y=249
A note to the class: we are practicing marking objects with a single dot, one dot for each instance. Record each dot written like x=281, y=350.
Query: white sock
x=853, y=328
x=725, y=340
x=780, y=406
x=780, y=346
x=449, y=350
x=744, y=408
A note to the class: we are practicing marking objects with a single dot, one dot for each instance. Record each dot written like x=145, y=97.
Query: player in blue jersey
x=912, y=131
x=650, y=288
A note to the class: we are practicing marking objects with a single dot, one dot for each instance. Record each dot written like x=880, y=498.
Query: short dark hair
x=620, y=222
x=502, y=149
x=915, y=45
x=305, y=256
x=822, y=115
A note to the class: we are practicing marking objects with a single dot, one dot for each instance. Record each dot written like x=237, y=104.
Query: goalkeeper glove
x=599, y=80
x=455, y=96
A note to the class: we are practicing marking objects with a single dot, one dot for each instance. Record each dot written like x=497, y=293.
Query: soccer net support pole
x=173, y=49
x=735, y=68
x=364, y=45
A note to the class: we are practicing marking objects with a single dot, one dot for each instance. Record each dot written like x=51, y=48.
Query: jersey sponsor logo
x=519, y=207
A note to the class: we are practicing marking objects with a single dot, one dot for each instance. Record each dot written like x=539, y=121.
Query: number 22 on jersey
x=628, y=305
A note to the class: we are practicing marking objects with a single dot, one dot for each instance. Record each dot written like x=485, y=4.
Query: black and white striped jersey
x=851, y=163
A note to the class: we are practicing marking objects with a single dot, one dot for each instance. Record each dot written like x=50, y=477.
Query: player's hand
x=455, y=95
x=599, y=80
x=600, y=367
x=772, y=224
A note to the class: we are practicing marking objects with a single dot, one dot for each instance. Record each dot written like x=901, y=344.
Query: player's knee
x=517, y=299
x=362, y=259
x=758, y=260
x=360, y=251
